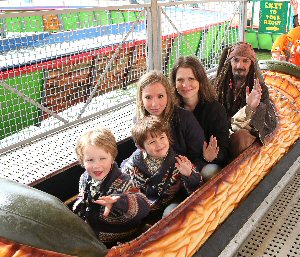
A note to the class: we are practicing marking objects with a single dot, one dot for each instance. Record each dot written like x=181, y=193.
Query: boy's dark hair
x=149, y=125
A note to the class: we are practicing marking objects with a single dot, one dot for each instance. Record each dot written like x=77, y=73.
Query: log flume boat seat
x=185, y=229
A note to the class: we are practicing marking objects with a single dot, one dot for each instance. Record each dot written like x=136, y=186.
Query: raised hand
x=108, y=202
x=294, y=4
x=253, y=97
x=210, y=150
x=184, y=165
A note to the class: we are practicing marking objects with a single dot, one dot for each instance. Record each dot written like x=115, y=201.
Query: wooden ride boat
x=186, y=229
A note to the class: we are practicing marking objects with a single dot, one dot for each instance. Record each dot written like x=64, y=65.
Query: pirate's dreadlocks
x=224, y=80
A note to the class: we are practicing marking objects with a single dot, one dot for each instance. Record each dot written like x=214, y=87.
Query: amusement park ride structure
x=67, y=70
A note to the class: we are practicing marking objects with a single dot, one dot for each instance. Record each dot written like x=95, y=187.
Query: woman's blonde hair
x=101, y=137
x=148, y=79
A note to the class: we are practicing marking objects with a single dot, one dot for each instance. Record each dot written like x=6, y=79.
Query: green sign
x=273, y=17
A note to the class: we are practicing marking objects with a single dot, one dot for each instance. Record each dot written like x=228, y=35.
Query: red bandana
x=244, y=50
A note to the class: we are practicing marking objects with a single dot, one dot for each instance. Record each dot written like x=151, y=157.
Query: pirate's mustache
x=240, y=69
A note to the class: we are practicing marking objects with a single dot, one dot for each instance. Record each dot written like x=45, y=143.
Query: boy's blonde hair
x=101, y=137
x=149, y=125
x=148, y=79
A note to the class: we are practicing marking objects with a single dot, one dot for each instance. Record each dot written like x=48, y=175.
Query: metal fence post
x=242, y=21
x=154, y=51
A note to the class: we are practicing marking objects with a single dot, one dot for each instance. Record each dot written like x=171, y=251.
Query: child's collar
x=147, y=156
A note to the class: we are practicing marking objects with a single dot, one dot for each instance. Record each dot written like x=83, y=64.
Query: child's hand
x=184, y=165
x=210, y=150
x=108, y=202
x=174, y=189
x=81, y=194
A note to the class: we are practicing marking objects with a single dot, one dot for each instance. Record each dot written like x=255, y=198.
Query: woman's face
x=155, y=99
x=186, y=84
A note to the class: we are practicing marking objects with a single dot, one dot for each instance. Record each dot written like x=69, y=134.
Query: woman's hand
x=253, y=97
x=210, y=150
x=184, y=165
x=108, y=202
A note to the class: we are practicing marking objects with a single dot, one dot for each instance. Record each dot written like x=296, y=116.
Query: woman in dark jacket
x=197, y=95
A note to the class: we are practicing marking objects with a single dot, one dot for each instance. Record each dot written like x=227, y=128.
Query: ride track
x=186, y=229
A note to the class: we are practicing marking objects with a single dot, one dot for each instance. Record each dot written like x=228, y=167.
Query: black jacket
x=213, y=119
x=188, y=136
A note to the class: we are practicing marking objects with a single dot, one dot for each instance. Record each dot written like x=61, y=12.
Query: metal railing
x=59, y=67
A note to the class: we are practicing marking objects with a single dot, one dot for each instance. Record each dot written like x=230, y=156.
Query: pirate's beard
x=239, y=79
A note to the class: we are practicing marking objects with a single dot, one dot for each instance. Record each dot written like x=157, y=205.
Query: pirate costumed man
x=241, y=90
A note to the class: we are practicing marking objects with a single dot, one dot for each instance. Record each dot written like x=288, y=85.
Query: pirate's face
x=240, y=66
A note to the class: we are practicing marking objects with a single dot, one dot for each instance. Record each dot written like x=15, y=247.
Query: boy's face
x=97, y=161
x=157, y=145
